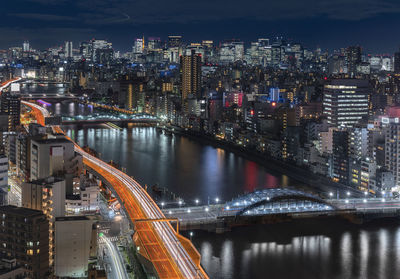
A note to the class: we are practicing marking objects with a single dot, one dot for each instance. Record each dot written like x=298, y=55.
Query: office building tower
x=340, y=156
x=190, y=75
x=24, y=235
x=392, y=149
x=153, y=43
x=353, y=58
x=26, y=46
x=174, y=41
x=10, y=105
x=397, y=62
x=345, y=102
x=138, y=46
x=68, y=50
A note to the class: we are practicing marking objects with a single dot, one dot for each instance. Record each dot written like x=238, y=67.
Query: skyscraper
x=345, y=102
x=174, y=41
x=392, y=148
x=68, y=49
x=26, y=46
x=397, y=62
x=190, y=75
x=10, y=106
x=353, y=58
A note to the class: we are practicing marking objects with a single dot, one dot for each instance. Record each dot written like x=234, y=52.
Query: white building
x=55, y=156
x=73, y=239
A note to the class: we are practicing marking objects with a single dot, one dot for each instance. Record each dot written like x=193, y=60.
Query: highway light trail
x=159, y=240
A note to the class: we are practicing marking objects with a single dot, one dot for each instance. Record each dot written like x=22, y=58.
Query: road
x=113, y=256
x=171, y=255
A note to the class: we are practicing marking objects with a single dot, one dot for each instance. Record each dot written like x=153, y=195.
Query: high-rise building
x=11, y=105
x=346, y=101
x=353, y=58
x=138, y=46
x=174, y=41
x=154, y=43
x=190, y=75
x=24, y=235
x=397, y=62
x=340, y=154
x=26, y=46
x=392, y=148
x=68, y=49
x=48, y=196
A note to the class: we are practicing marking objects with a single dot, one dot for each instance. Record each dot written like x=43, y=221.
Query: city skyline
x=328, y=25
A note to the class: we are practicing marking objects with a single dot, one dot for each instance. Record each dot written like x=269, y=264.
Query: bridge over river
x=279, y=204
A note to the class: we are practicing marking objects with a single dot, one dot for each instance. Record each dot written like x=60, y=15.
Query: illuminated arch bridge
x=276, y=201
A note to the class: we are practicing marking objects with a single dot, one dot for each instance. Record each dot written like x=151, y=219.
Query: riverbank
x=321, y=184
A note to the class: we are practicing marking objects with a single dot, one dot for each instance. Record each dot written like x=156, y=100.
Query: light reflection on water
x=304, y=249
x=186, y=167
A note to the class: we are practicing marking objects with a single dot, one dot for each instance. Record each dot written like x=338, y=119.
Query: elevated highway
x=169, y=254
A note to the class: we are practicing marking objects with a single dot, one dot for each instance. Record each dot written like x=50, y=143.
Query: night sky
x=374, y=24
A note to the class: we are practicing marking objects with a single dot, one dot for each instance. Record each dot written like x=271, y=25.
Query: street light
x=330, y=194
x=206, y=209
x=197, y=201
x=188, y=211
x=365, y=193
x=180, y=203
x=217, y=200
x=162, y=205
x=348, y=193
x=191, y=234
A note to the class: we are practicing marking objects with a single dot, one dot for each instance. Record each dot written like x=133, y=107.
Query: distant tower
x=353, y=58
x=26, y=46
x=397, y=62
x=68, y=49
x=174, y=41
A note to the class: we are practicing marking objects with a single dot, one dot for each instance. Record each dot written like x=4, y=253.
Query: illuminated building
x=392, y=147
x=397, y=62
x=174, y=41
x=26, y=46
x=24, y=234
x=340, y=150
x=48, y=196
x=190, y=72
x=68, y=50
x=345, y=102
x=10, y=105
x=353, y=58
